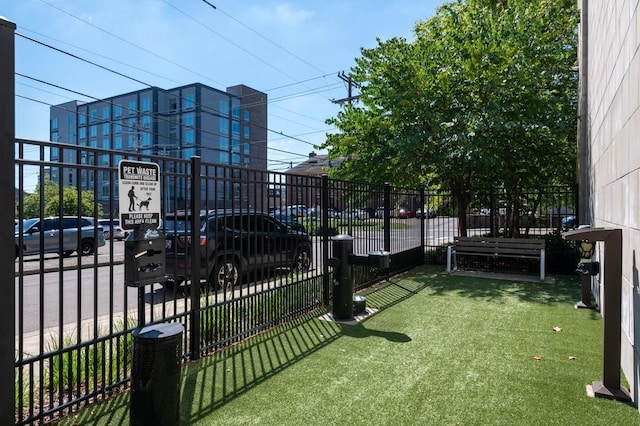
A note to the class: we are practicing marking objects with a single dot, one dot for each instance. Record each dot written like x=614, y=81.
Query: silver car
x=112, y=227
x=62, y=235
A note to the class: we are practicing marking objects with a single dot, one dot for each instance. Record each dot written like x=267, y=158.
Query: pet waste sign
x=139, y=190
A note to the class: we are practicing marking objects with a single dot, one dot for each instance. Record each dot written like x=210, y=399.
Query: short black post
x=585, y=298
x=155, y=375
x=343, y=275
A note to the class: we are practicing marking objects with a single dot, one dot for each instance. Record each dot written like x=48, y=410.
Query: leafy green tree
x=484, y=96
x=51, y=201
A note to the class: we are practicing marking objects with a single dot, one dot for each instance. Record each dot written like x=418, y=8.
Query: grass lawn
x=441, y=350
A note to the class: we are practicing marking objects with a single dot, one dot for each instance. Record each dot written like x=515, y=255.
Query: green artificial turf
x=441, y=350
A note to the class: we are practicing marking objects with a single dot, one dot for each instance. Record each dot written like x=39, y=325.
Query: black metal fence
x=75, y=314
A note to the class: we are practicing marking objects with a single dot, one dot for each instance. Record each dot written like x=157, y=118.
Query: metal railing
x=75, y=314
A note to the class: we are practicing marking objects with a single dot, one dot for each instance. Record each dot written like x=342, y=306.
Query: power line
x=102, y=56
x=125, y=76
x=265, y=38
x=230, y=41
x=129, y=42
x=311, y=91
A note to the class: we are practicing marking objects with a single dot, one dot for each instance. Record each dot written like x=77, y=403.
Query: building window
x=189, y=137
x=54, y=154
x=94, y=115
x=224, y=158
x=173, y=140
x=235, y=159
x=235, y=128
x=173, y=104
x=189, y=119
x=93, y=131
x=224, y=126
x=246, y=161
x=105, y=113
x=146, y=139
x=55, y=137
x=247, y=116
x=188, y=153
x=187, y=102
x=132, y=107
x=54, y=124
x=82, y=119
x=105, y=143
x=246, y=132
x=247, y=148
x=224, y=108
x=82, y=133
x=235, y=111
x=106, y=127
x=146, y=104
x=117, y=111
x=117, y=128
x=235, y=145
x=224, y=143
x=132, y=125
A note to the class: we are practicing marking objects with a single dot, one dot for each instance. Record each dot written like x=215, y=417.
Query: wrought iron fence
x=74, y=312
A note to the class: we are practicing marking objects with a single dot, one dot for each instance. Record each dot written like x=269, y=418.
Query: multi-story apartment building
x=228, y=128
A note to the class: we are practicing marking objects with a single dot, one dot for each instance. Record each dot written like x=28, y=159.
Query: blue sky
x=293, y=51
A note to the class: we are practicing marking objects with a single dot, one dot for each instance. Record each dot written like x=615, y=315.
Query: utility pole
x=350, y=85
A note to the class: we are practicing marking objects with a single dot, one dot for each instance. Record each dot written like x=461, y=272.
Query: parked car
x=428, y=214
x=290, y=221
x=349, y=214
x=568, y=222
x=380, y=213
x=295, y=210
x=235, y=244
x=316, y=213
x=112, y=227
x=62, y=235
x=404, y=214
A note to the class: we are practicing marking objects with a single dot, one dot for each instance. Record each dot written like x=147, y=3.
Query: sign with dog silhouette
x=139, y=190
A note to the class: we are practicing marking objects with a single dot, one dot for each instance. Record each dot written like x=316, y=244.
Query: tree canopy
x=485, y=95
x=51, y=202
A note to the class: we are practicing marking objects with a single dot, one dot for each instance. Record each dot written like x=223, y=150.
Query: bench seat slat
x=520, y=248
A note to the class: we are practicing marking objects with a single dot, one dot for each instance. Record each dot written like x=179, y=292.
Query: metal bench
x=520, y=248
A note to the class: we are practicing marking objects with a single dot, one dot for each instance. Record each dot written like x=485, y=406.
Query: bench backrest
x=506, y=246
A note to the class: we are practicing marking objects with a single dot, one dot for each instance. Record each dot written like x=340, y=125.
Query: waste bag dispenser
x=144, y=257
x=609, y=387
x=587, y=268
x=155, y=375
x=343, y=261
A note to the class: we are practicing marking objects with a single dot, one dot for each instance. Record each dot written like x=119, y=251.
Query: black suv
x=233, y=244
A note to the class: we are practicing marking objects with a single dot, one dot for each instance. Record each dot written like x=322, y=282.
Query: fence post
x=195, y=205
x=7, y=194
x=581, y=217
x=324, y=238
x=423, y=221
x=387, y=217
x=494, y=215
